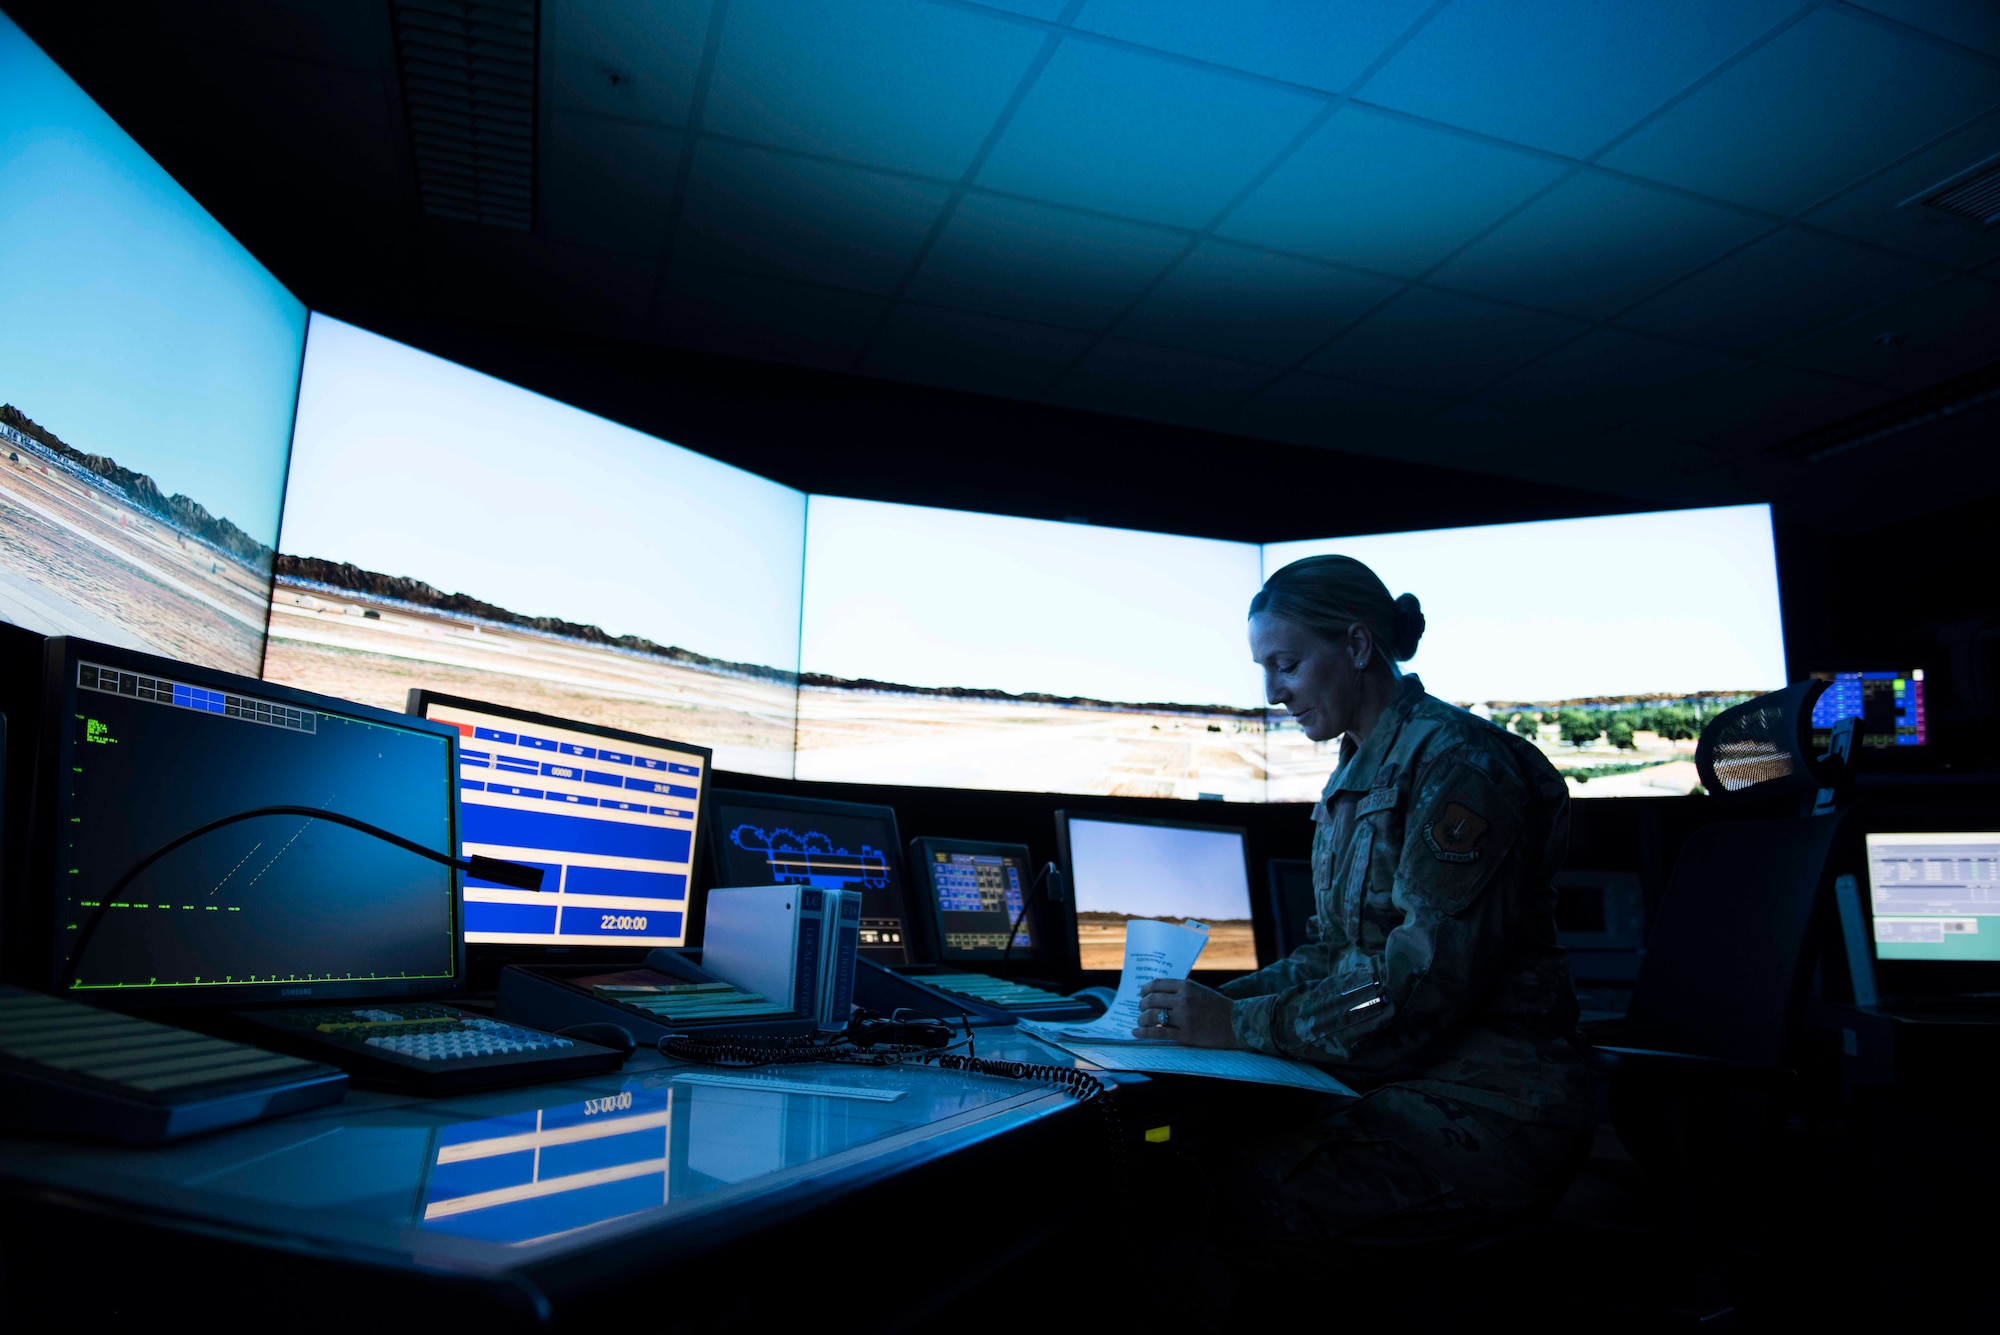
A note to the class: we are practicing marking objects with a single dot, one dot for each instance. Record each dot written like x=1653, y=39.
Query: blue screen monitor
x=612, y=819
x=1890, y=706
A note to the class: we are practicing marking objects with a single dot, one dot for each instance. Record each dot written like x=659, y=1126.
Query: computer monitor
x=1890, y=706
x=764, y=839
x=1125, y=867
x=977, y=894
x=1935, y=895
x=141, y=750
x=612, y=819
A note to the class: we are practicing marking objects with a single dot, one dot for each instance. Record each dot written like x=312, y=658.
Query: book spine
x=846, y=943
x=808, y=943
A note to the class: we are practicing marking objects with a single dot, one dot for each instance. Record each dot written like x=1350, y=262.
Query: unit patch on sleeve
x=1454, y=836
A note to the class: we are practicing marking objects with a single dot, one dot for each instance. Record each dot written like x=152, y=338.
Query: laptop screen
x=1935, y=896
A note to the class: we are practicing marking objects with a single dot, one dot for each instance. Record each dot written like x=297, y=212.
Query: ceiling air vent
x=468, y=69
x=1972, y=196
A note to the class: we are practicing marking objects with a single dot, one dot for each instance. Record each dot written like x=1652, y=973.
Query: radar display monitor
x=1125, y=867
x=1890, y=706
x=612, y=819
x=978, y=896
x=1935, y=896
x=143, y=750
x=765, y=839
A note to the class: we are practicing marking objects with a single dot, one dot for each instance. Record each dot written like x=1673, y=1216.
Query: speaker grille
x=468, y=71
x=1972, y=196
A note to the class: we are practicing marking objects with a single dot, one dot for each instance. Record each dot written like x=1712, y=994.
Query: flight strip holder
x=555, y=996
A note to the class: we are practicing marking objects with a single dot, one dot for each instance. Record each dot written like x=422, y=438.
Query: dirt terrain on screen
x=328, y=642
x=879, y=736
x=77, y=556
x=1100, y=939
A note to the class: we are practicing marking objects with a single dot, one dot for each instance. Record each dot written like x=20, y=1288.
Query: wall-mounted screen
x=147, y=371
x=1608, y=641
x=983, y=651
x=449, y=531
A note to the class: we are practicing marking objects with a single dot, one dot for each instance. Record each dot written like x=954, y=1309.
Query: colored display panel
x=148, y=368
x=1122, y=870
x=980, y=899
x=1890, y=706
x=1935, y=896
x=832, y=845
x=1607, y=641
x=983, y=651
x=611, y=825
x=271, y=900
x=450, y=531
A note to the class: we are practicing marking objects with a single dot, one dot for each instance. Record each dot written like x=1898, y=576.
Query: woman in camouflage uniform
x=1431, y=980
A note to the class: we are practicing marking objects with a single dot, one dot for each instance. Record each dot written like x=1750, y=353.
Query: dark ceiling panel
x=1442, y=343
x=1324, y=44
x=1257, y=305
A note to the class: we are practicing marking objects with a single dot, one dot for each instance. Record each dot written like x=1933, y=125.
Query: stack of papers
x=1169, y=950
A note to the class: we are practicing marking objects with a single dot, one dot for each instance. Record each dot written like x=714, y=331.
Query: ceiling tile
x=1973, y=23
x=1946, y=331
x=981, y=353
x=891, y=83
x=1565, y=75
x=1594, y=245
x=1318, y=43
x=1031, y=262
x=1331, y=414
x=1778, y=290
x=1441, y=343
x=1380, y=193
x=1871, y=211
x=1253, y=304
x=607, y=182
x=1828, y=101
x=1050, y=10
x=1142, y=137
x=354, y=36
x=766, y=318
x=1163, y=384
x=618, y=59
x=1760, y=407
x=1608, y=376
x=797, y=217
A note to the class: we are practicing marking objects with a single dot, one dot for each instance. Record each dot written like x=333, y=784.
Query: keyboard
x=431, y=1046
x=996, y=991
x=72, y=1069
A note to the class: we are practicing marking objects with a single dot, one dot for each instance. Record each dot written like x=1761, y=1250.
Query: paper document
x=1152, y=950
x=1220, y=1063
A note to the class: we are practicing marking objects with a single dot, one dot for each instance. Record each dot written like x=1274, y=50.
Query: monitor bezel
x=1037, y=917
x=719, y=872
x=58, y=695
x=1064, y=816
x=1922, y=979
x=489, y=957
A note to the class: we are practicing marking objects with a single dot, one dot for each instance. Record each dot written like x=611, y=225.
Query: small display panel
x=1890, y=706
x=1935, y=896
x=609, y=818
x=762, y=839
x=979, y=893
x=1125, y=869
x=148, y=755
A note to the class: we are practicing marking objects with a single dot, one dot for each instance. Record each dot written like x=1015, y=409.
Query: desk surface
x=520, y=1183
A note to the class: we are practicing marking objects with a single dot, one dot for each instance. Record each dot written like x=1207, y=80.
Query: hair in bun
x=1328, y=594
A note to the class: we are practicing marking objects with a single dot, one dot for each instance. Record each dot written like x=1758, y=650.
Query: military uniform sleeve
x=1463, y=833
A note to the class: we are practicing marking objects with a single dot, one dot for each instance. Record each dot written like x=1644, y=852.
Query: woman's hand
x=1186, y=1012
